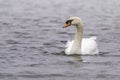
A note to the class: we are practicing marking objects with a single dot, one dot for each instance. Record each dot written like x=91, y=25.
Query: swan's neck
x=76, y=48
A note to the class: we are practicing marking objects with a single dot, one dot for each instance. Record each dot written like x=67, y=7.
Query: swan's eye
x=69, y=21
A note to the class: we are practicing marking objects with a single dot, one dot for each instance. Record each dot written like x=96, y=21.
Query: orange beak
x=67, y=25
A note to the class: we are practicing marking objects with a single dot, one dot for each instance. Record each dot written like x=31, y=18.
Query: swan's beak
x=67, y=25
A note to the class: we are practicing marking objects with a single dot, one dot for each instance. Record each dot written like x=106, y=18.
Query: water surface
x=32, y=39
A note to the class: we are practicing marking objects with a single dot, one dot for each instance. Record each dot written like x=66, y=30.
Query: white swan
x=85, y=46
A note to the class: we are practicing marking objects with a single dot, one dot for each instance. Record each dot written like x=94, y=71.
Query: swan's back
x=88, y=46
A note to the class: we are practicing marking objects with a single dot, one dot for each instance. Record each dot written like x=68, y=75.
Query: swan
x=82, y=46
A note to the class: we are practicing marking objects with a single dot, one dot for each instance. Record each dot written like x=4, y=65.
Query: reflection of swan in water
x=80, y=45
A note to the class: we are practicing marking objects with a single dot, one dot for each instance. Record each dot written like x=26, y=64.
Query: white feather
x=88, y=46
x=83, y=46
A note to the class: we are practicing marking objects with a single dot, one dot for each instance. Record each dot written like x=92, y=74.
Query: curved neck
x=76, y=48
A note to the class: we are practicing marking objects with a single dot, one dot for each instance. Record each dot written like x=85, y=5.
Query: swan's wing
x=93, y=37
x=95, y=49
x=68, y=46
x=68, y=43
x=89, y=46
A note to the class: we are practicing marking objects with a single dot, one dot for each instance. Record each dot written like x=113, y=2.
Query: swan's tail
x=93, y=37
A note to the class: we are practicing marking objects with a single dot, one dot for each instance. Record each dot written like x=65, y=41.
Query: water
x=32, y=39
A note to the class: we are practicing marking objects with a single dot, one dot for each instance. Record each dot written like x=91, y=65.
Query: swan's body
x=88, y=47
x=80, y=45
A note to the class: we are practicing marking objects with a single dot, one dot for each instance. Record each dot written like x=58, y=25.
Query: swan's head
x=72, y=21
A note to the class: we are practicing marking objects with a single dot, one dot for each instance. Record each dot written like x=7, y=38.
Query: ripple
x=32, y=40
x=12, y=42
